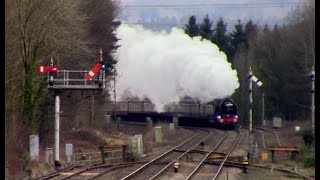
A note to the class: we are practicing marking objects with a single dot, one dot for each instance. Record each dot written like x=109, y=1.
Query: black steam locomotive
x=219, y=112
x=225, y=114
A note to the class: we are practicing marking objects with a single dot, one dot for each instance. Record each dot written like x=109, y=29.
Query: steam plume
x=165, y=66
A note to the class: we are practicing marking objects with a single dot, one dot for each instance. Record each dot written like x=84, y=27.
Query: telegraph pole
x=312, y=76
x=257, y=82
x=250, y=102
x=262, y=109
x=115, y=95
x=250, y=109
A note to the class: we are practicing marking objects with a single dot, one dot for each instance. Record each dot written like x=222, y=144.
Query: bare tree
x=35, y=31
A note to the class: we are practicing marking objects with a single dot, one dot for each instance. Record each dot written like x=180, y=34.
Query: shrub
x=309, y=154
x=309, y=160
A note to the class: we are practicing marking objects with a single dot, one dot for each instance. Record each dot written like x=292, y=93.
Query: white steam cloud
x=165, y=66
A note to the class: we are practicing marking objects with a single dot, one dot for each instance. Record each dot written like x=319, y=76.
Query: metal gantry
x=61, y=81
x=74, y=80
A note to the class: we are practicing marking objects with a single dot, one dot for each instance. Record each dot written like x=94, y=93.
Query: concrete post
x=171, y=125
x=159, y=134
x=149, y=122
x=175, y=121
x=57, y=128
x=134, y=147
x=49, y=154
x=34, y=147
x=140, y=144
x=69, y=151
x=107, y=119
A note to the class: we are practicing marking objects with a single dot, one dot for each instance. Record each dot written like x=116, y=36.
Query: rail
x=159, y=157
x=274, y=133
x=206, y=157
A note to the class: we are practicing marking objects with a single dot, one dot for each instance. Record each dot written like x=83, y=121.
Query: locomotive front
x=225, y=114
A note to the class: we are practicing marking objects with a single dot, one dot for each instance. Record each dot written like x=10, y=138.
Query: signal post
x=258, y=83
x=59, y=84
x=312, y=77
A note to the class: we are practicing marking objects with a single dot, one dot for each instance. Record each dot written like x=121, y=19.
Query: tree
x=221, y=38
x=101, y=22
x=282, y=59
x=237, y=38
x=266, y=28
x=37, y=21
x=250, y=30
x=192, y=28
x=206, y=28
x=35, y=31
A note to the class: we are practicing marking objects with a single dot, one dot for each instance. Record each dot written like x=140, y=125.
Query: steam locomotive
x=217, y=113
x=226, y=114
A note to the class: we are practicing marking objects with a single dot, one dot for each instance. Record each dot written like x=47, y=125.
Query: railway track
x=192, y=159
x=196, y=161
x=88, y=173
x=59, y=174
x=261, y=130
x=156, y=166
x=191, y=154
x=208, y=168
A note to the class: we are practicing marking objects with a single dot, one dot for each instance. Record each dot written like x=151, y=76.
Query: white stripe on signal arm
x=41, y=68
x=91, y=73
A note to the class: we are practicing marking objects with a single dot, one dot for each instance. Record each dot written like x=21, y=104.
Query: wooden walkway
x=74, y=87
x=293, y=150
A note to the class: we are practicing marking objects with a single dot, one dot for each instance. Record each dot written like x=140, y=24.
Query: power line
x=166, y=24
x=221, y=5
x=153, y=24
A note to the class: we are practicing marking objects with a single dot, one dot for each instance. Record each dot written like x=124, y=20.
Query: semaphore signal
x=254, y=79
x=96, y=68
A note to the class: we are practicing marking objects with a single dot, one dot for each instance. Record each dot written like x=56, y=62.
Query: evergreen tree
x=192, y=28
x=250, y=31
x=206, y=28
x=237, y=38
x=266, y=28
x=220, y=37
x=101, y=15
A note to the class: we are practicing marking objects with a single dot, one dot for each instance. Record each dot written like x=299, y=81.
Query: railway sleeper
x=192, y=151
x=239, y=165
x=233, y=159
x=227, y=163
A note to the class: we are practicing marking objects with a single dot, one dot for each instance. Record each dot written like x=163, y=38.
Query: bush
x=308, y=137
x=24, y=159
x=309, y=155
x=309, y=160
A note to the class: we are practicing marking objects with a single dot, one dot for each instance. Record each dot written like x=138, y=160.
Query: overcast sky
x=163, y=14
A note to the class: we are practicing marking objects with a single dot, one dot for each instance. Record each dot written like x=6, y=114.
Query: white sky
x=177, y=15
